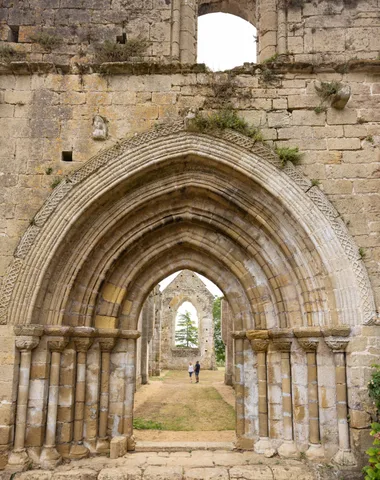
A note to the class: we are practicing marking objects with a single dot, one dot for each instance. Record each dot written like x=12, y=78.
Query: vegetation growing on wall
x=9, y=54
x=288, y=154
x=47, y=41
x=372, y=471
x=118, y=52
x=221, y=120
x=220, y=350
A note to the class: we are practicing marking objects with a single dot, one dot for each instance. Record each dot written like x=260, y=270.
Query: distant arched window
x=186, y=326
x=225, y=41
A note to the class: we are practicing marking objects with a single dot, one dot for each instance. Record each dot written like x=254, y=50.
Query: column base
x=49, y=458
x=315, y=452
x=344, y=458
x=78, y=451
x=264, y=446
x=103, y=445
x=288, y=450
x=18, y=461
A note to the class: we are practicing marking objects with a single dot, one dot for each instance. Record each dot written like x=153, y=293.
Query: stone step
x=182, y=446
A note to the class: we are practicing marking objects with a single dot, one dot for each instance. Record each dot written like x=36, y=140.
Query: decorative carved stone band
x=26, y=342
x=308, y=340
x=259, y=341
x=338, y=345
x=106, y=346
x=82, y=342
x=50, y=458
x=282, y=341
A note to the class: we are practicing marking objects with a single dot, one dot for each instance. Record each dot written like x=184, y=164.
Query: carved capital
x=27, y=343
x=309, y=344
x=337, y=344
x=82, y=344
x=259, y=345
x=107, y=344
x=57, y=344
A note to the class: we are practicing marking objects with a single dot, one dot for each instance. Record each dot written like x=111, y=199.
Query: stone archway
x=170, y=200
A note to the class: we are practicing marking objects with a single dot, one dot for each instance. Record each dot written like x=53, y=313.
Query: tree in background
x=186, y=334
x=220, y=351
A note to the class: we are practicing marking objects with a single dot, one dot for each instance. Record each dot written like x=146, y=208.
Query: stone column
x=282, y=342
x=129, y=392
x=307, y=338
x=239, y=386
x=82, y=341
x=106, y=346
x=281, y=28
x=259, y=341
x=50, y=458
x=338, y=344
x=29, y=339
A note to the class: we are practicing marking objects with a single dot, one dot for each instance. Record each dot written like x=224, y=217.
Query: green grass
x=142, y=424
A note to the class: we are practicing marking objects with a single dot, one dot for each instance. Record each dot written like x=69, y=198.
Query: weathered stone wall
x=338, y=30
x=187, y=287
x=45, y=114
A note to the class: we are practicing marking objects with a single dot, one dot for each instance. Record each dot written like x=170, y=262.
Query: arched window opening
x=187, y=326
x=225, y=41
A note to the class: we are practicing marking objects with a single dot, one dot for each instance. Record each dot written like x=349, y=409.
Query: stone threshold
x=182, y=446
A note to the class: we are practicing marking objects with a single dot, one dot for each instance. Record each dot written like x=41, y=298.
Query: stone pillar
x=226, y=324
x=82, y=341
x=175, y=30
x=239, y=338
x=282, y=342
x=26, y=342
x=188, y=41
x=267, y=29
x=308, y=340
x=106, y=346
x=50, y=458
x=129, y=388
x=334, y=338
x=259, y=341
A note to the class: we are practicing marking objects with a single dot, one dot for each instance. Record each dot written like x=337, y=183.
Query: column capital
x=82, y=344
x=27, y=343
x=337, y=344
x=282, y=344
x=107, y=344
x=57, y=344
x=309, y=344
x=259, y=345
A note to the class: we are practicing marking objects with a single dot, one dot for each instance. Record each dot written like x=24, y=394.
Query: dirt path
x=177, y=410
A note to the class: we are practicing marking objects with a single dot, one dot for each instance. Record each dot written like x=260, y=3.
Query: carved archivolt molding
x=132, y=144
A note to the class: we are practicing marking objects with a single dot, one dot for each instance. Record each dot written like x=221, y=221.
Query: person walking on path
x=196, y=370
x=191, y=371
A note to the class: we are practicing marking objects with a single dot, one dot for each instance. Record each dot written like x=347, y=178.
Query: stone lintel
x=28, y=330
x=58, y=330
x=307, y=332
x=338, y=331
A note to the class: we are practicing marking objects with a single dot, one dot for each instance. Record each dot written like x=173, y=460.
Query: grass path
x=172, y=404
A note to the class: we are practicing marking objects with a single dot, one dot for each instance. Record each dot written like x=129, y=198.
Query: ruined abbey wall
x=187, y=287
x=49, y=104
